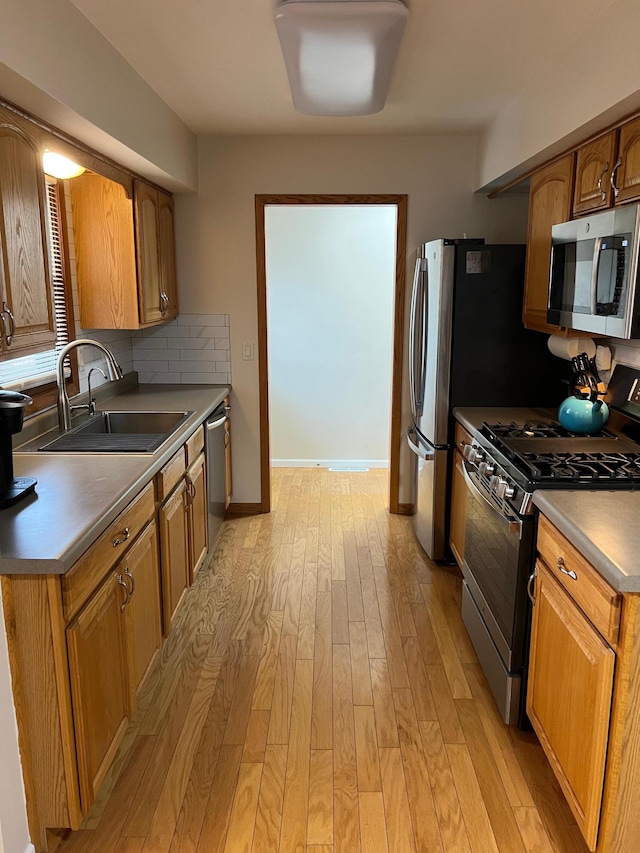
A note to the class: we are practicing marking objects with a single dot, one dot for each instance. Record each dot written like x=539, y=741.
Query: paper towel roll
x=568, y=348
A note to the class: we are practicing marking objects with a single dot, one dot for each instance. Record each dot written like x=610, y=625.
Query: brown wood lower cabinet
x=569, y=698
x=99, y=682
x=583, y=696
x=142, y=613
x=196, y=482
x=174, y=547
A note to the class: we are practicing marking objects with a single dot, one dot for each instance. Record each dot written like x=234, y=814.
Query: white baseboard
x=329, y=463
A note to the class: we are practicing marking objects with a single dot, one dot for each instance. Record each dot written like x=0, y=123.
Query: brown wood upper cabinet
x=26, y=307
x=125, y=253
x=155, y=253
x=608, y=170
x=550, y=198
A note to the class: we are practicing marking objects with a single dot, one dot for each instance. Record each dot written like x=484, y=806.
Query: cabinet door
x=25, y=280
x=458, y=509
x=627, y=175
x=148, y=254
x=228, y=476
x=105, y=253
x=594, y=164
x=99, y=683
x=174, y=550
x=549, y=203
x=197, y=487
x=168, y=283
x=141, y=571
x=569, y=698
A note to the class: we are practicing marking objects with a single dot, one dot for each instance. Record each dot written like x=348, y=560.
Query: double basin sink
x=119, y=432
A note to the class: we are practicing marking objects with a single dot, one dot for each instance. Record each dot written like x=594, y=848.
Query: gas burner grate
x=533, y=429
x=582, y=467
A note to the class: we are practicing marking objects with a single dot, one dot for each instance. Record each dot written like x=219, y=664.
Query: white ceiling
x=218, y=64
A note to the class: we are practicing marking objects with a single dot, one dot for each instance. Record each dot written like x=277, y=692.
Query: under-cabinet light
x=339, y=54
x=60, y=167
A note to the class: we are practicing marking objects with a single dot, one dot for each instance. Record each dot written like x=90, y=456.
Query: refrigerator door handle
x=419, y=450
x=416, y=338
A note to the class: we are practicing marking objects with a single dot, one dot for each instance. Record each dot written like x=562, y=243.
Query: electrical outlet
x=248, y=351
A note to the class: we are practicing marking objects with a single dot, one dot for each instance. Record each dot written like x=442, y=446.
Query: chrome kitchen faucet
x=113, y=369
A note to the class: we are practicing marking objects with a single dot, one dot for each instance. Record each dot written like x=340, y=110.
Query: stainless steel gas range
x=502, y=467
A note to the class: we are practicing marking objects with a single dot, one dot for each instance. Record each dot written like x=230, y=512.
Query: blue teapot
x=583, y=415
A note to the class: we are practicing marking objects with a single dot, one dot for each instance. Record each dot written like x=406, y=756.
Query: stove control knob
x=472, y=454
x=466, y=451
x=501, y=488
x=486, y=469
x=479, y=455
x=493, y=483
x=509, y=492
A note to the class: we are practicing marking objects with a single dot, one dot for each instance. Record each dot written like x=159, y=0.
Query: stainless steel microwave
x=593, y=279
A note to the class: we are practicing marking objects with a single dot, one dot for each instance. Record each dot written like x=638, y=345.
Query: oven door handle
x=515, y=524
x=595, y=268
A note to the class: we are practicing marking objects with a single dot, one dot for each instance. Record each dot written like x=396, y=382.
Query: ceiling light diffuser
x=60, y=167
x=339, y=54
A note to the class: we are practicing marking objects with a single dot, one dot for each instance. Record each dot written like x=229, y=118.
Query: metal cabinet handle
x=132, y=579
x=6, y=311
x=603, y=193
x=561, y=566
x=530, y=583
x=127, y=595
x=186, y=496
x=217, y=423
x=164, y=303
x=227, y=408
x=122, y=538
x=616, y=190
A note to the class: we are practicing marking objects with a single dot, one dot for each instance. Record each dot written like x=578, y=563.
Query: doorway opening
x=316, y=318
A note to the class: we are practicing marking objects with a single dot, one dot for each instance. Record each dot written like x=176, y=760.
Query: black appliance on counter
x=502, y=467
x=12, y=489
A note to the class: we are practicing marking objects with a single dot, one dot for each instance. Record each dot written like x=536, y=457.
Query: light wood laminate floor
x=319, y=693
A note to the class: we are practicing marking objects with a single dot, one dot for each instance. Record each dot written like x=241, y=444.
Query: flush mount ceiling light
x=339, y=54
x=60, y=167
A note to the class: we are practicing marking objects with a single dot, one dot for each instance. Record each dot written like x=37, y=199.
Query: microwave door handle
x=595, y=268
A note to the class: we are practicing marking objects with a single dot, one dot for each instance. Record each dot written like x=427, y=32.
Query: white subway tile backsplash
x=222, y=343
x=208, y=354
x=151, y=355
x=199, y=378
x=185, y=344
x=156, y=343
x=202, y=320
x=147, y=377
x=169, y=330
x=209, y=331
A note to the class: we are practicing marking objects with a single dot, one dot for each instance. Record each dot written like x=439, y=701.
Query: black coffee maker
x=12, y=489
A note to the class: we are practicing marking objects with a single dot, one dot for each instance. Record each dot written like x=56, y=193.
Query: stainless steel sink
x=119, y=432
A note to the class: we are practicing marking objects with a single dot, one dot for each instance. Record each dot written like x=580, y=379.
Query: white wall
x=592, y=83
x=330, y=285
x=14, y=834
x=56, y=64
x=215, y=232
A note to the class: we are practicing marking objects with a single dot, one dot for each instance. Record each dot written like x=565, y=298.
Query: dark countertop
x=602, y=525
x=79, y=494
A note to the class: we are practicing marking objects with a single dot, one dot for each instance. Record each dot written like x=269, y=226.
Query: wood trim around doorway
x=400, y=201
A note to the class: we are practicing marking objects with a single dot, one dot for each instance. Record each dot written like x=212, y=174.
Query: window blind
x=29, y=371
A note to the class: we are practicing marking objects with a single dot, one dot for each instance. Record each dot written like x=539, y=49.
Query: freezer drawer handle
x=419, y=451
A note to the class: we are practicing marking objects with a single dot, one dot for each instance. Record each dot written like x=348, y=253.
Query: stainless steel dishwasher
x=216, y=468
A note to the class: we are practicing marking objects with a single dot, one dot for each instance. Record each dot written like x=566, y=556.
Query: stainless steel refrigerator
x=467, y=347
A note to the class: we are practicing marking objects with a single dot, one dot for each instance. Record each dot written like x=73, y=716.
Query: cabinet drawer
x=599, y=601
x=85, y=575
x=170, y=475
x=195, y=446
x=463, y=437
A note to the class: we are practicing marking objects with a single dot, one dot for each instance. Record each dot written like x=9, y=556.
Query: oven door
x=497, y=559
